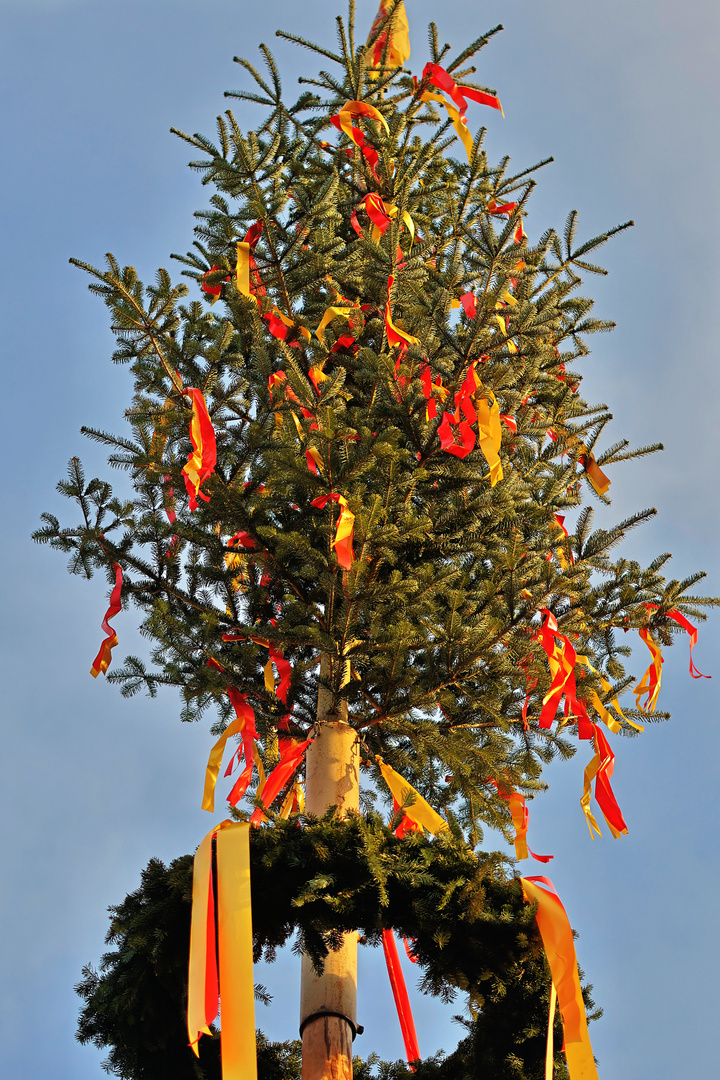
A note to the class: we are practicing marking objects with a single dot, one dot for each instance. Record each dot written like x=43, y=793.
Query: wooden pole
x=328, y=1003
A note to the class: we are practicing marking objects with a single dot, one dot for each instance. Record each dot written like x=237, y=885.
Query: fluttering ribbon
x=607, y=717
x=244, y=726
x=419, y=810
x=229, y=942
x=395, y=335
x=561, y=660
x=600, y=769
x=400, y=994
x=559, y=520
x=278, y=778
x=398, y=32
x=343, y=542
x=201, y=463
x=490, y=434
x=557, y=939
x=520, y=819
x=650, y=682
x=342, y=122
x=680, y=619
x=102, y=661
x=506, y=208
x=437, y=76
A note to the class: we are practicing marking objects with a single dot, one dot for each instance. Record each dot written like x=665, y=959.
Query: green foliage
x=439, y=610
x=469, y=926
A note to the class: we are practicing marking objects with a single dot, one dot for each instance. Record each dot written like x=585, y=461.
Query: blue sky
x=625, y=97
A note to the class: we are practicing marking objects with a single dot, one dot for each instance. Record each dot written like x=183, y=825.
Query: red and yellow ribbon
x=343, y=542
x=102, y=661
x=398, y=31
x=231, y=941
x=600, y=769
x=437, y=76
x=342, y=121
x=419, y=810
x=680, y=619
x=244, y=726
x=201, y=462
x=395, y=335
x=279, y=777
x=557, y=939
x=520, y=819
x=561, y=660
x=650, y=682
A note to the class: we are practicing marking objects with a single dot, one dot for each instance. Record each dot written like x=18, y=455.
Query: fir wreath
x=463, y=914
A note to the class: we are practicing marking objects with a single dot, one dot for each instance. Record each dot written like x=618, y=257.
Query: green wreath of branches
x=469, y=927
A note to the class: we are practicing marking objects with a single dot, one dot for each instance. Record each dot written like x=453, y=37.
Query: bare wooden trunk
x=328, y=1003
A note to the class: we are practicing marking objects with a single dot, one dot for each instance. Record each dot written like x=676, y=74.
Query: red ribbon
x=280, y=775
x=439, y=77
x=680, y=619
x=102, y=661
x=201, y=463
x=400, y=994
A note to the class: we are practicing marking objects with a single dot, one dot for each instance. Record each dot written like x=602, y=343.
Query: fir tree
x=384, y=331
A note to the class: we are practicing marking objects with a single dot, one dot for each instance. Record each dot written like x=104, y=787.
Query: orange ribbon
x=343, y=542
x=557, y=939
x=102, y=661
x=594, y=473
x=520, y=818
x=230, y=940
x=201, y=462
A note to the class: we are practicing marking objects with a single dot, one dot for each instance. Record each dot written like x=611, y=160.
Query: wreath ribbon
x=231, y=977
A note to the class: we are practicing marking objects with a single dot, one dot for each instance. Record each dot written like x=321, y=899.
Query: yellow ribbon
x=594, y=698
x=234, y=938
x=457, y=122
x=215, y=761
x=420, y=811
x=490, y=434
x=330, y=314
x=242, y=268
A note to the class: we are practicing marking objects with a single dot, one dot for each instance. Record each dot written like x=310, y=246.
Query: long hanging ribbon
x=549, y=1047
x=201, y=463
x=650, y=682
x=278, y=778
x=600, y=769
x=680, y=619
x=490, y=435
x=557, y=939
x=243, y=725
x=420, y=811
x=232, y=936
x=398, y=47
x=561, y=660
x=343, y=542
x=400, y=994
x=102, y=661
